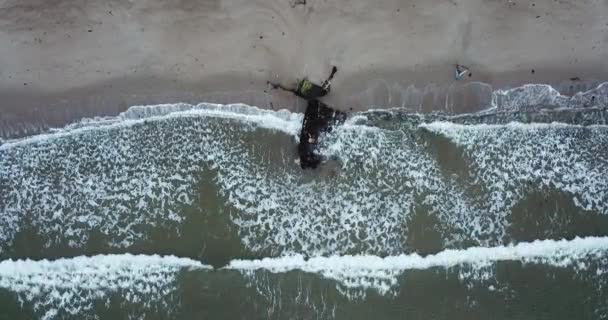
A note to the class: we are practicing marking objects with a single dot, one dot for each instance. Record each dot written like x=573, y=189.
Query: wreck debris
x=318, y=118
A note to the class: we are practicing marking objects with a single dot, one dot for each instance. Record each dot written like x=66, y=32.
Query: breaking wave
x=71, y=287
x=507, y=160
x=68, y=287
x=542, y=95
x=381, y=273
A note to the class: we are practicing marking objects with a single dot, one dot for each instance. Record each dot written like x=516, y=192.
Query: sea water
x=202, y=211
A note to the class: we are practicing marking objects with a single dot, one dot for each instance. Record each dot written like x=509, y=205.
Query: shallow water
x=502, y=214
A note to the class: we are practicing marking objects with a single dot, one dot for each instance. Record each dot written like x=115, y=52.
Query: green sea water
x=202, y=212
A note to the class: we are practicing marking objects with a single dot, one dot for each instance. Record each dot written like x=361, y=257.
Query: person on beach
x=460, y=71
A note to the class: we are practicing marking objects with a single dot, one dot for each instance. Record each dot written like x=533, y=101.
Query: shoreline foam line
x=553, y=252
x=289, y=123
x=443, y=126
x=536, y=94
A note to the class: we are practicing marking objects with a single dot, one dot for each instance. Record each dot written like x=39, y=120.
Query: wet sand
x=62, y=60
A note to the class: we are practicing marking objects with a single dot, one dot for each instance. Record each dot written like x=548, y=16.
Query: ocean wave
x=68, y=287
x=446, y=126
x=381, y=273
x=509, y=160
x=558, y=155
x=544, y=95
x=73, y=286
x=283, y=120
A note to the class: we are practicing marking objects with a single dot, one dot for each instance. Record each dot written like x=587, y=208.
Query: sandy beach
x=63, y=60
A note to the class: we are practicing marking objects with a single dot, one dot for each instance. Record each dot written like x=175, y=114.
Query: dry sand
x=64, y=59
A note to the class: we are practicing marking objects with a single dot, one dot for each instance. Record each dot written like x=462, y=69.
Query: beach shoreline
x=26, y=113
x=67, y=60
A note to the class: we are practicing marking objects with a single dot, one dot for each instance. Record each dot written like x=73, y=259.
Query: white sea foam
x=122, y=180
x=282, y=120
x=445, y=126
x=507, y=159
x=381, y=273
x=69, y=287
x=344, y=213
x=125, y=179
x=109, y=178
x=544, y=95
x=528, y=95
x=402, y=165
